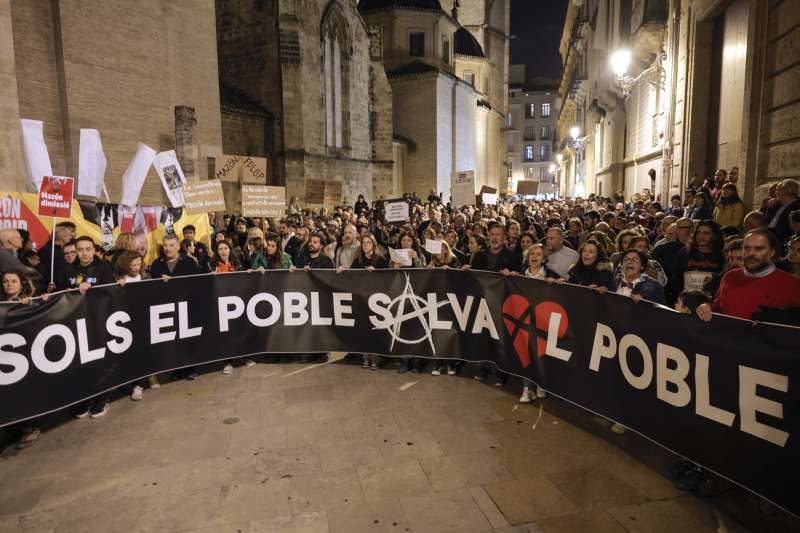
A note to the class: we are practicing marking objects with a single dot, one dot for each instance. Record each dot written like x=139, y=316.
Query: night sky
x=536, y=25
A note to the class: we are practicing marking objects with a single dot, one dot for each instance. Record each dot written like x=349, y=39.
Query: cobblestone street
x=333, y=448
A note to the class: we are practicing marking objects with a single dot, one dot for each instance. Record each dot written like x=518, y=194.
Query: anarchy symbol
x=420, y=310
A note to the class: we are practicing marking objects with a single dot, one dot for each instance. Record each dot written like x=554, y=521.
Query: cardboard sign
x=55, y=196
x=228, y=167
x=488, y=198
x=315, y=191
x=333, y=194
x=486, y=189
x=396, y=211
x=462, y=190
x=254, y=170
x=203, y=197
x=527, y=187
x=263, y=201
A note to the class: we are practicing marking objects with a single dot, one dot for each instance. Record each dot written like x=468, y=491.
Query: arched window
x=336, y=52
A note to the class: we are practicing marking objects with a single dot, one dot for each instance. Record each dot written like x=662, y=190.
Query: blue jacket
x=648, y=288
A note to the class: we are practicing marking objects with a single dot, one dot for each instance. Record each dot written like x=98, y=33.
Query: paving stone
x=325, y=490
x=445, y=511
x=384, y=516
x=529, y=500
x=349, y=453
x=404, y=445
x=597, y=488
x=254, y=501
x=314, y=393
x=457, y=471
x=288, y=462
x=380, y=480
x=313, y=433
x=456, y=441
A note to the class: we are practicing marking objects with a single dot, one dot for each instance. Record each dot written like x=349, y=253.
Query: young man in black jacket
x=86, y=272
x=311, y=256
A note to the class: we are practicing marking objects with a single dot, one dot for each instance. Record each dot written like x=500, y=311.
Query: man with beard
x=289, y=242
x=758, y=284
x=312, y=256
x=348, y=250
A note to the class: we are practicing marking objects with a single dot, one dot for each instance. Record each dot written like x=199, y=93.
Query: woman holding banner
x=370, y=257
x=409, y=247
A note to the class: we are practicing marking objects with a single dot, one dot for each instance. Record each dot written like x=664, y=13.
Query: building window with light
x=544, y=133
x=510, y=120
x=529, y=173
x=529, y=153
x=416, y=44
x=545, y=110
x=530, y=110
x=544, y=152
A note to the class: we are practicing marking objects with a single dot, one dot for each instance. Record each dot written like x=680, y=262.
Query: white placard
x=462, y=190
x=401, y=256
x=396, y=211
x=34, y=152
x=91, y=164
x=135, y=174
x=171, y=174
x=433, y=247
x=488, y=198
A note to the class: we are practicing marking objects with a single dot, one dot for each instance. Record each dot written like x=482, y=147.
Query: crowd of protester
x=700, y=254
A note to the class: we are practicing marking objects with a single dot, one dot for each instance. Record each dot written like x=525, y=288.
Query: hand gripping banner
x=723, y=394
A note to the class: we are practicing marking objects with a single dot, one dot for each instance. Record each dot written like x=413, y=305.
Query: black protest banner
x=723, y=394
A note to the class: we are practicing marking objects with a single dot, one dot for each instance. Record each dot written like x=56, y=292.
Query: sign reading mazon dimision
x=723, y=394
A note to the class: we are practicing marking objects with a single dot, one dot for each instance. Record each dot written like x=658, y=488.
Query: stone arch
x=337, y=49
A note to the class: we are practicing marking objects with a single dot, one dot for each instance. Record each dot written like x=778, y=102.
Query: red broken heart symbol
x=517, y=319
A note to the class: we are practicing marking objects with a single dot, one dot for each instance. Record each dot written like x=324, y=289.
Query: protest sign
x=488, y=198
x=315, y=191
x=433, y=247
x=263, y=201
x=171, y=174
x=527, y=187
x=203, y=196
x=55, y=196
x=400, y=256
x=254, y=170
x=333, y=194
x=396, y=211
x=462, y=191
x=227, y=167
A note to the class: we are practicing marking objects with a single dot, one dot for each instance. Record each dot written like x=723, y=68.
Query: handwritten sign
x=227, y=167
x=263, y=201
x=254, y=170
x=203, y=197
x=396, y=211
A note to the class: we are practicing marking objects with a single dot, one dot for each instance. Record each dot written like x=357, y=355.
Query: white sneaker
x=228, y=369
x=540, y=392
x=153, y=380
x=526, y=396
x=451, y=371
x=365, y=363
x=249, y=362
x=618, y=428
x=137, y=394
x=436, y=372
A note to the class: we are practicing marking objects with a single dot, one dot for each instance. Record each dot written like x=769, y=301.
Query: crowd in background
x=699, y=253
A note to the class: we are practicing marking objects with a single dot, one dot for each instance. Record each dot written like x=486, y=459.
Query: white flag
x=91, y=164
x=171, y=174
x=135, y=174
x=34, y=150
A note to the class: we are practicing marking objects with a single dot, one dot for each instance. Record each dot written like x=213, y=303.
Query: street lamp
x=552, y=168
x=621, y=62
x=577, y=142
x=559, y=158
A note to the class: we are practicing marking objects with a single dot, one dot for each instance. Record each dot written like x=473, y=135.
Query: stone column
x=12, y=170
x=185, y=148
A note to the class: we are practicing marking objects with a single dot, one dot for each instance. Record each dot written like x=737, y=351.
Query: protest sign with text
x=203, y=196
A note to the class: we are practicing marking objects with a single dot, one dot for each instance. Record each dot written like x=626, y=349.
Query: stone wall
x=125, y=80
x=12, y=171
x=415, y=120
x=244, y=134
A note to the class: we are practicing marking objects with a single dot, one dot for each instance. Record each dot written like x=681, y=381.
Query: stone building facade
x=448, y=94
x=326, y=102
x=721, y=91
